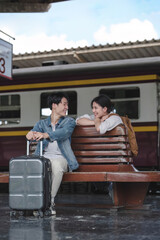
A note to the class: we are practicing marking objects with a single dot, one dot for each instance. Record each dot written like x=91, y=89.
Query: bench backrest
x=90, y=147
x=97, y=152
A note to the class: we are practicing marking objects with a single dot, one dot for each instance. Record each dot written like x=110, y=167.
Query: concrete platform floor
x=87, y=222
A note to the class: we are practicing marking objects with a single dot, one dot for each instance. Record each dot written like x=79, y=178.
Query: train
x=132, y=84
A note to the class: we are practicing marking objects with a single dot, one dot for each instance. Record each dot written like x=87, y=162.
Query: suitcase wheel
x=21, y=213
x=16, y=213
x=47, y=212
x=13, y=213
x=38, y=213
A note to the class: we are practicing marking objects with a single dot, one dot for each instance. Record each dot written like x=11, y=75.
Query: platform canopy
x=26, y=5
x=108, y=52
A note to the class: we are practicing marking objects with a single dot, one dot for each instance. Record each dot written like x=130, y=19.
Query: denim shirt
x=62, y=135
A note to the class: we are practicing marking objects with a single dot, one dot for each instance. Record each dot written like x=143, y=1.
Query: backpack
x=131, y=134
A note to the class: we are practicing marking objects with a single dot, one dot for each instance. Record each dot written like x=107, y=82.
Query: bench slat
x=99, y=146
x=91, y=131
x=112, y=177
x=104, y=160
x=145, y=176
x=84, y=177
x=100, y=139
x=138, y=176
x=102, y=153
x=4, y=177
x=106, y=168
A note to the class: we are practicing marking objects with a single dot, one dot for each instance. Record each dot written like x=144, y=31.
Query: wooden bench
x=107, y=158
x=4, y=177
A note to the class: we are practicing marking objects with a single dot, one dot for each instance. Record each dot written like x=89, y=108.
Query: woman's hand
x=97, y=122
x=104, y=118
x=85, y=121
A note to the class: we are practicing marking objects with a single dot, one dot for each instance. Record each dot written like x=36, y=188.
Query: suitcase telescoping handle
x=41, y=147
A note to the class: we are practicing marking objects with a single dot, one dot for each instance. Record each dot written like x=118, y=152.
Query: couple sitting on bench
x=56, y=131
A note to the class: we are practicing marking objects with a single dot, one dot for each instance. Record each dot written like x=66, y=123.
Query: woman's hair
x=56, y=98
x=103, y=101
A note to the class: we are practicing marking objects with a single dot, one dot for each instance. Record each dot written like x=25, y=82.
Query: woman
x=102, y=117
x=103, y=120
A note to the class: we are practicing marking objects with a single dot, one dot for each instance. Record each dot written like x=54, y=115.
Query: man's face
x=61, y=109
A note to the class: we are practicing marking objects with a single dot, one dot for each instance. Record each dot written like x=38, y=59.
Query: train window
x=126, y=100
x=72, y=95
x=9, y=109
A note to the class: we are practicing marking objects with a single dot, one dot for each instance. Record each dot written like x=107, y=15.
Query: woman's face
x=98, y=111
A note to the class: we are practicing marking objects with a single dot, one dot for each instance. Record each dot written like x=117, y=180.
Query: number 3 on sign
x=2, y=65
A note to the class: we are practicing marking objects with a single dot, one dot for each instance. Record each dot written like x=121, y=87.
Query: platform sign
x=6, y=50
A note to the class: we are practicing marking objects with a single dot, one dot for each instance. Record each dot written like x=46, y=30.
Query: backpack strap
x=131, y=133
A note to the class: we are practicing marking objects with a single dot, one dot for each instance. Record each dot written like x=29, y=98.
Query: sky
x=80, y=23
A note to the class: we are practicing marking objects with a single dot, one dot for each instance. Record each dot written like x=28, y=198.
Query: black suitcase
x=30, y=184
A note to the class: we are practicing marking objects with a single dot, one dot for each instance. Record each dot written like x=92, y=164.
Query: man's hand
x=32, y=135
x=38, y=135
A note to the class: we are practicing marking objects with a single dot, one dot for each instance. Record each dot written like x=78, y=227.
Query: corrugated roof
x=108, y=52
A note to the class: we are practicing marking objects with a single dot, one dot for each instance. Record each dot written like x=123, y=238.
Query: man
x=56, y=131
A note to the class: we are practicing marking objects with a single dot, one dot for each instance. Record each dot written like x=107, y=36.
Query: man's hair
x=103, y=101
x=56, y=98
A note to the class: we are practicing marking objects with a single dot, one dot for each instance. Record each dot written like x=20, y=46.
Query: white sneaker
x=52, y=209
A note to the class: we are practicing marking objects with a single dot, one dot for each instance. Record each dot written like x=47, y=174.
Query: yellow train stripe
x=80, y=82
x=13, y=133
x=23, y=133
x=146, y=129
